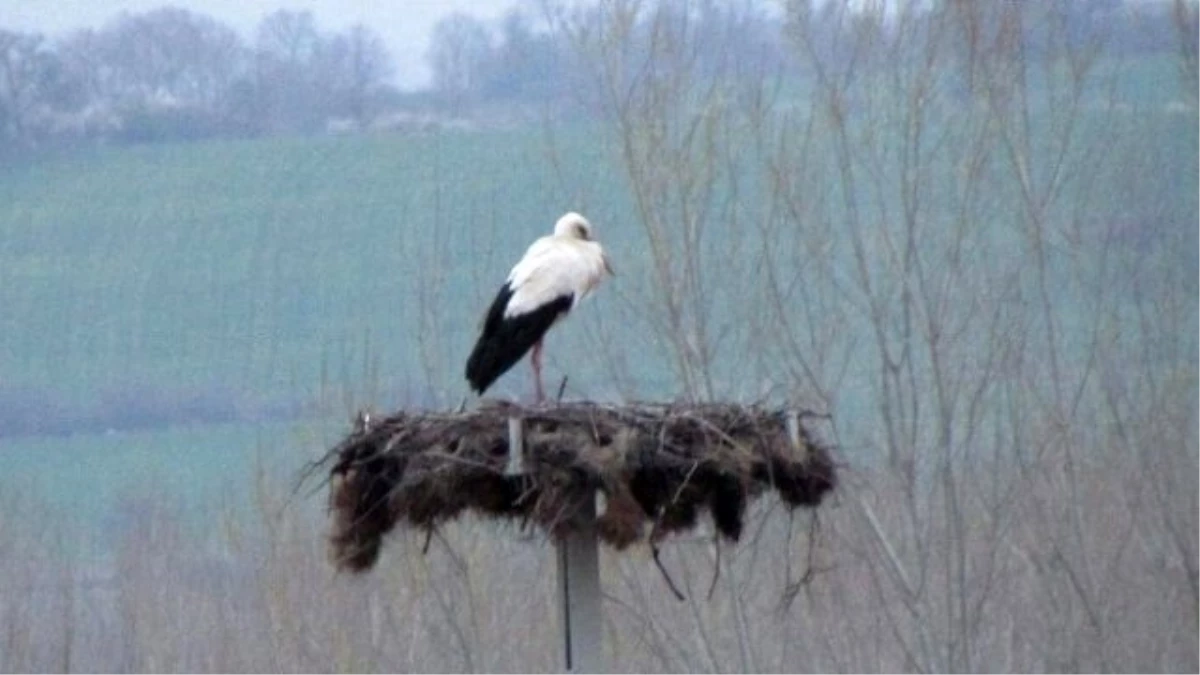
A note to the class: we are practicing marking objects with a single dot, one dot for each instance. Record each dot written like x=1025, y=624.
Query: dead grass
x=802, y=591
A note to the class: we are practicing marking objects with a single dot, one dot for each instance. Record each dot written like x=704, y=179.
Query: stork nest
x=657, y=467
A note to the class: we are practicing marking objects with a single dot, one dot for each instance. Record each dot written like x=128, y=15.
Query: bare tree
x=22, y=70
x=926, y=257
x=1186, y=14
x=168, y=72
x=354, y=68
x=289, y=37
x=286, y=49
x=676, y=119
x=459, y=53
x=171, y=55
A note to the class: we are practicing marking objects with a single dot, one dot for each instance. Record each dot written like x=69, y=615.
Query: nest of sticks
x=657, y=467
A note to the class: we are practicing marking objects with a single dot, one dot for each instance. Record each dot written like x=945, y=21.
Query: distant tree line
x=523, y=60
x=173, y=74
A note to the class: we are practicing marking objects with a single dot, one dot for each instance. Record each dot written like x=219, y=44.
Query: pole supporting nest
x=660, y=466
x=578, y=556
x=580, y=597
x=516, y=448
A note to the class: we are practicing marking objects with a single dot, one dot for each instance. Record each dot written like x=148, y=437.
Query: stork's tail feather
x=506, y=339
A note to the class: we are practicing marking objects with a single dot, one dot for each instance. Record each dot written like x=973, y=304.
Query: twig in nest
x=561, y=388
x=305, y=474
x=428, y=539
x=670, y=584
x=679, y=491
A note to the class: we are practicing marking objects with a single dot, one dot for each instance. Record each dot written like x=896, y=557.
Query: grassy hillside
x=224, y=280
x=242, y=269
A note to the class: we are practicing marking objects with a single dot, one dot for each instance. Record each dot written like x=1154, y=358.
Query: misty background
x=405, y=27
x=137, y=72
x=962, y=233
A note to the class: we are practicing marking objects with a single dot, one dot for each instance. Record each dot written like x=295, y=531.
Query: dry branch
x=659, y=467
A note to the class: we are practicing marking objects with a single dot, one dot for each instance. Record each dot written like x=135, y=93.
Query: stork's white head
x=573, y=225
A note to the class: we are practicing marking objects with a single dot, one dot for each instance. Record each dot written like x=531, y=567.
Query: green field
x=261, y=275
x=240, y=282
x=250, y=266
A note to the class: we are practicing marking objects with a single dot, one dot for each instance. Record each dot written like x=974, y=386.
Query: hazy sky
x=404, y=24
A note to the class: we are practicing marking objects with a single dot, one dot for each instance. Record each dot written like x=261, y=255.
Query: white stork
x=557, y=272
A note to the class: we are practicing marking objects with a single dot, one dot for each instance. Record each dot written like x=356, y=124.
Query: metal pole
x=579, y=595
x=516, y=448
x=578, y=573
x=793, y=429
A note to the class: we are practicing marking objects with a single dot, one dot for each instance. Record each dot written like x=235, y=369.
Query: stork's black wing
x=505, y=340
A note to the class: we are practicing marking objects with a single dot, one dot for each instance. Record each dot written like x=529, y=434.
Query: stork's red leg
x=536, y=360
